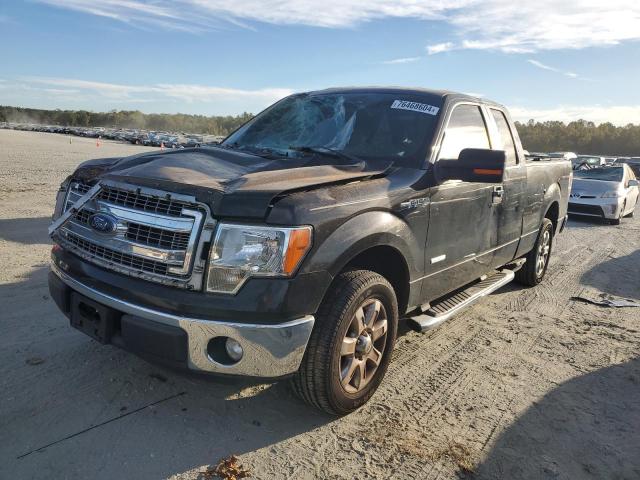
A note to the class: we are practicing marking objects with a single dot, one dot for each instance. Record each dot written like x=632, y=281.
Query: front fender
x=364, y=231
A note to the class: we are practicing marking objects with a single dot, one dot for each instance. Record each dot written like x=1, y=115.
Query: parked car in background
x=584, y=162
x=606, y=192
x=633, y=162
x=536, y=156
x=564, y=155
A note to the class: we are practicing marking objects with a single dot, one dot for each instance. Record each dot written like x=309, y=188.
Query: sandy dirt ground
x=527, y=384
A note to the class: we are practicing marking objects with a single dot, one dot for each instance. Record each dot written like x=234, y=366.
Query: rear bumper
x=270, y=350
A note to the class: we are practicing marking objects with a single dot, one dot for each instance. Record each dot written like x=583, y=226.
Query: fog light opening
x=234, y=349
x=224, y=350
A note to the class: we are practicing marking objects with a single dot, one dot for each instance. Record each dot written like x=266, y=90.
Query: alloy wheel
x=363, y=346
x=543, y=253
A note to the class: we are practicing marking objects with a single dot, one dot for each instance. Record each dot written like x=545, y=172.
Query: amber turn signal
x=299, y=244
x=487, y=171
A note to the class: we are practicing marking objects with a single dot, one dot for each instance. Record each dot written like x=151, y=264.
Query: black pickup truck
x=295, y=247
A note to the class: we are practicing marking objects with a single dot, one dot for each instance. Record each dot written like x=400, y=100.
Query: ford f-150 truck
x=296, y=246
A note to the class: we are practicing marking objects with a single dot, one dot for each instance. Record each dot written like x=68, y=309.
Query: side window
x=466, y=129
x=506, y=138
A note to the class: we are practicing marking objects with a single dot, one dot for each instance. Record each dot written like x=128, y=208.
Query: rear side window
x=466, y=129
x=506, y=138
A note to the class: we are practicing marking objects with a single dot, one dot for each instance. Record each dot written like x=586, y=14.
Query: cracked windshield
x=356, y=126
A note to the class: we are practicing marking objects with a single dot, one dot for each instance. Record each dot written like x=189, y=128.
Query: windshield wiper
x=325, y=151
x=264, y=152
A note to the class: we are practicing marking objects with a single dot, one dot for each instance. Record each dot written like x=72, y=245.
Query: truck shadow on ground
x=577, y=221
x=585, y=428
x=28, y=231
x=617, y=276
x=153, y=421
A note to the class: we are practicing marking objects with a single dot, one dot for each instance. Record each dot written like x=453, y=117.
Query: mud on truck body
x=295, y=247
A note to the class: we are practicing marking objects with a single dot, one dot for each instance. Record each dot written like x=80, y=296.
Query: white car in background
x=606, y=192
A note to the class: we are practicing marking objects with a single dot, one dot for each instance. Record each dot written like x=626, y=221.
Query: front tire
x=535, y=268
x=351, y=344
x=616, y=221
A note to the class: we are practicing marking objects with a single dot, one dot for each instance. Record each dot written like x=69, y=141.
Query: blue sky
x=545, y=59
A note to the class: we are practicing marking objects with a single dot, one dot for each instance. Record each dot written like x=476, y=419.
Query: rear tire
x=535, y=268
x=351, y=344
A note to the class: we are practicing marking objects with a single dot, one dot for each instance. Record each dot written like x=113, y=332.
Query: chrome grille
x=136, y=200
x=126, y=260
x=156, y=235
x=136, y=232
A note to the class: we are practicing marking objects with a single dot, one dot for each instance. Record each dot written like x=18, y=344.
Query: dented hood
x=232, y=183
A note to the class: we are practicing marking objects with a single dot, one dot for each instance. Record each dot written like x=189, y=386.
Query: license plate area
x=92, y=318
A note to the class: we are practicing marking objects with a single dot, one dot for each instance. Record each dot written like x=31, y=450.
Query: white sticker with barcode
x=415, y=107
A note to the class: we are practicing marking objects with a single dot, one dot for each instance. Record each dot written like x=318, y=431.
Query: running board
x=448, y=306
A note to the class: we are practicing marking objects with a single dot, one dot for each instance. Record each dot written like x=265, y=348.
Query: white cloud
x=543, y=66
x=617, y=114
x=185, y=92
x=328, y=13
x=514, y=26
x=55, y=92
x=440, y=47
x=525, y=26
x=397, y=61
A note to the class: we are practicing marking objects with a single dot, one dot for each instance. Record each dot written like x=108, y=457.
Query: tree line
x=178, y=122
x=580, y=136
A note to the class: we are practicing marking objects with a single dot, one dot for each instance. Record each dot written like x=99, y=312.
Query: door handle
x=497, y=194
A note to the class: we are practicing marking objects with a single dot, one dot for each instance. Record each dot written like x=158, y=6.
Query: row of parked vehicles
x=135, y=136
x=604, y=187
x=586, y=162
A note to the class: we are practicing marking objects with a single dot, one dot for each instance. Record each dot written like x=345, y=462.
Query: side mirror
x=633, y=183
x=473, y=165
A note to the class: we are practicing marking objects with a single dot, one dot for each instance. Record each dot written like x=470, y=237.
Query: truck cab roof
x=444, y=94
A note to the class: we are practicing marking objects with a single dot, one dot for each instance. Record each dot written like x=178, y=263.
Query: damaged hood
x=232, y=183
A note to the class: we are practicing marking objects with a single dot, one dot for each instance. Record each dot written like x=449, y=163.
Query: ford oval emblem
x=103, y=222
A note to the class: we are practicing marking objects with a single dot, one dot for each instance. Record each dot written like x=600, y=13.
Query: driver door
x=463, y=223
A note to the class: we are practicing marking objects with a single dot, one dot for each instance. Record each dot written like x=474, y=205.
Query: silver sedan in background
x=605, y=192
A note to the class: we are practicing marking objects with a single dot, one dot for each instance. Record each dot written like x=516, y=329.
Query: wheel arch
x=391, y=264
x=553, y=214
x=552, y=206
x=377, y=241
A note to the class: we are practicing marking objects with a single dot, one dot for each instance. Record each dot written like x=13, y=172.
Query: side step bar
x=448, y=306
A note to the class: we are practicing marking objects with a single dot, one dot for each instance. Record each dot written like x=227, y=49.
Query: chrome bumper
x=269, y=350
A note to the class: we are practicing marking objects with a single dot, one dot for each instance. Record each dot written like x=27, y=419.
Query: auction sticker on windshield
x=415, y=107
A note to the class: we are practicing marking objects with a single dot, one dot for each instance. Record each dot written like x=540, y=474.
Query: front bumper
x=596, y=207
x=270, y=350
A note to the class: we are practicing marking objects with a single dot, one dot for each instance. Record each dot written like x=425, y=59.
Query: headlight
x=242, y=251
x=61, y=198
x=614, y=194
